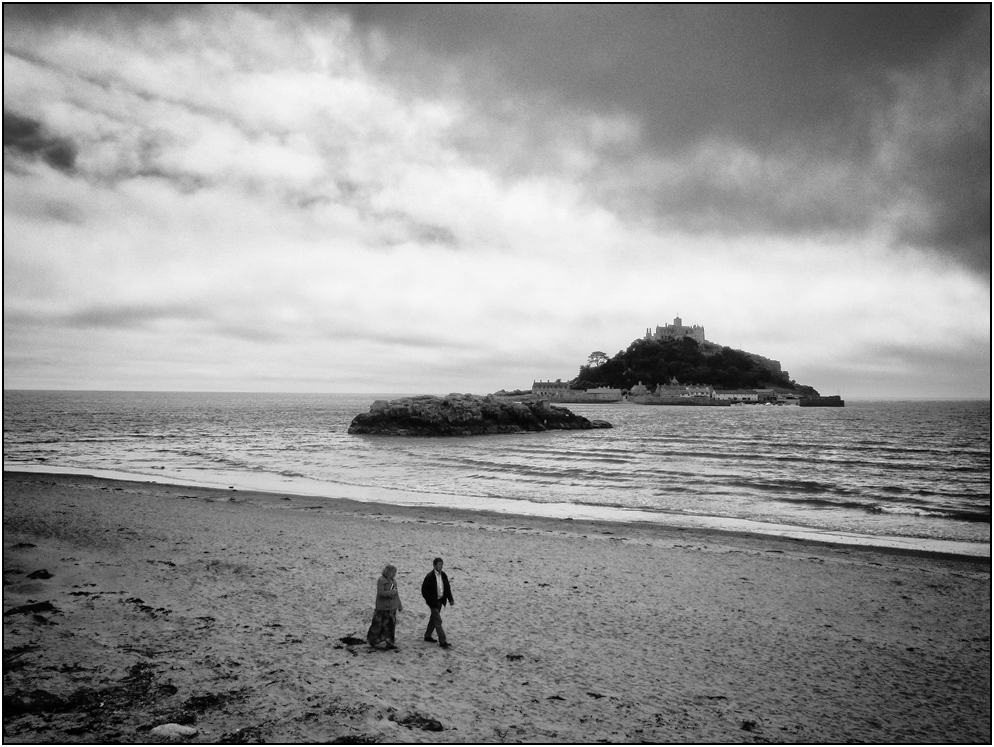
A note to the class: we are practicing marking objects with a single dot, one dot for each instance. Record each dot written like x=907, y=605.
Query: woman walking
x=388, y=604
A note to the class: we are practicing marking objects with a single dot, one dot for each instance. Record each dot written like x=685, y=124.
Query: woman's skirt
x=382, y=628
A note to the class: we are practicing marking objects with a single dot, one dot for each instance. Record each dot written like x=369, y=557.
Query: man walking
x=437, y=593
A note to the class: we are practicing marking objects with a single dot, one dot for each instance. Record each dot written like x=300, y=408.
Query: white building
x=737, y=395
x=699, y=390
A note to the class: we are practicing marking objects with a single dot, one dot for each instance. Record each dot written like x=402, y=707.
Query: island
x=465, y=415
x=677, y=365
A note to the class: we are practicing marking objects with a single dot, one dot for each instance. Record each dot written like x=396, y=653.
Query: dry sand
x=225, y=612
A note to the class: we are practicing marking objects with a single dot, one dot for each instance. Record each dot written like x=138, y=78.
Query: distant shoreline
x=602, y=515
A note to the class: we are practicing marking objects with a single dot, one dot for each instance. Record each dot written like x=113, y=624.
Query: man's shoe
x=429, y=639
x=445, y=645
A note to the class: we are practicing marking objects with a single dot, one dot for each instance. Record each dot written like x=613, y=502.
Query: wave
x=803, y=486
x=874, y=470
x=36, y=441
x=979, y=517
x=968, y=515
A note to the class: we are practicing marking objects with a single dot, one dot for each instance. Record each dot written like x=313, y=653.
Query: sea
x=911, y=474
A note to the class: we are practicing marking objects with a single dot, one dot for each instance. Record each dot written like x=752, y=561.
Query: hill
x=689, y=362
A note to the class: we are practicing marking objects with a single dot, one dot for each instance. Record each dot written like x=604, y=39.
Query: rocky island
x=465, y=415
x=677, y=365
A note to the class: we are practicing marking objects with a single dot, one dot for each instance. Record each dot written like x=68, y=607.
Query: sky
x=467, y=198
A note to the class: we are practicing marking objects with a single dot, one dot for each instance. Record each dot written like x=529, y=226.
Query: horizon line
x=863, y=398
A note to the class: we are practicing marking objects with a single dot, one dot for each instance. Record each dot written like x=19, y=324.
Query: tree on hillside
x=596, y=358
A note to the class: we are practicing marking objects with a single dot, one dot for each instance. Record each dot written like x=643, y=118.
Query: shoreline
x=371, y=496
x=240, y=616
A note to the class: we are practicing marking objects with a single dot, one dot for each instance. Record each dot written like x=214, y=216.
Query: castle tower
x=676, y=330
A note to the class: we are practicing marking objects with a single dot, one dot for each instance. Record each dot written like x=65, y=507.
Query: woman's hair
x=389, y=567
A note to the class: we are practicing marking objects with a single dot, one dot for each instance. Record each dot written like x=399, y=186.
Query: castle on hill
x=780, y=389
x=675, y=331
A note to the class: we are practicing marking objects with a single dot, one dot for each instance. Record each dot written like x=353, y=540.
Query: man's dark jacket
x=429, y=590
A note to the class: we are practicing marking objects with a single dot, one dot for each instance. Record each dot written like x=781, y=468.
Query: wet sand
x=225, y=612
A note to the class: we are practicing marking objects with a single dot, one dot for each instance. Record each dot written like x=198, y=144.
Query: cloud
x=853, y=117
x=939, y=138
x=129, y=316
x=470, y=198
x=778, y=121
x=27, y=138
x=754, y=73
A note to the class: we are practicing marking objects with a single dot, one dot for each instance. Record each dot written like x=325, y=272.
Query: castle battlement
x=675, y=331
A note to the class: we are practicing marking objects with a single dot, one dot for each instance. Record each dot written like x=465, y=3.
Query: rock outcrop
x=465, y=415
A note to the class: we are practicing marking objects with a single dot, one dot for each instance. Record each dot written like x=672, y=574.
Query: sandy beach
x=233, y=614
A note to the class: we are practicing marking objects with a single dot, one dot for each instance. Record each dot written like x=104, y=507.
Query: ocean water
x=882, y=469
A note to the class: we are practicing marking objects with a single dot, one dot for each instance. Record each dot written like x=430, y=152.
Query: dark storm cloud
x=954, y=175
x=93, y=15
x=752, y=71
x=850, y=115
x=702, y=201
x=27, y=137
x=824, y=81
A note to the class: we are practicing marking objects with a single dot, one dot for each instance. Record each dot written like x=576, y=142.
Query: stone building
x=639, y=390
x=559, y=391
x=552, y=389
x=602, y=394
x=675, y=331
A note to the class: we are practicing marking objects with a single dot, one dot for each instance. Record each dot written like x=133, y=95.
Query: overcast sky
x=431, y=199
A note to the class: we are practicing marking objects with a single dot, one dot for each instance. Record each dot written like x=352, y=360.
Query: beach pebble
x=174, y=731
